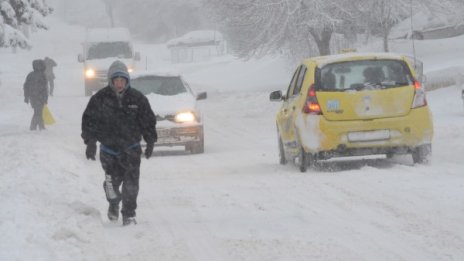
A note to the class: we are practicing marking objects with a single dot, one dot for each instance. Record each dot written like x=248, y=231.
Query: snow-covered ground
x=234, y=202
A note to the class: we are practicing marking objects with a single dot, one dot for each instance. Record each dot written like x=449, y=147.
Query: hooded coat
x=118, y=120
x=49, y=64
x=35, y=86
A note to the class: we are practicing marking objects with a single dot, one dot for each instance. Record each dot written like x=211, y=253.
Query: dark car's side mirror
x=201, y=96
x=276, y=96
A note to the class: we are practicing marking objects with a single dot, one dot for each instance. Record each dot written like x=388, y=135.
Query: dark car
x=179, y=121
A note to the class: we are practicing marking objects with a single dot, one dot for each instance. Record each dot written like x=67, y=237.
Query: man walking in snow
x=36, y=93
x=118, y=116
x=49, y=64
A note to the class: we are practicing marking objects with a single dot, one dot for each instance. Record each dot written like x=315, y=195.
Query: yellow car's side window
x=300, y=80
x=293, y=82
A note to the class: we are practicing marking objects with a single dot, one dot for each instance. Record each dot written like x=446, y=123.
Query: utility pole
x=109, y=11
x=412, y=35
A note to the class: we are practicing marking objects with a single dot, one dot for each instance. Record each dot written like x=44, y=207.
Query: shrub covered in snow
x=17, y=17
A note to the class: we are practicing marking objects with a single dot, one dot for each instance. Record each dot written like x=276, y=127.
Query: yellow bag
x=47, y=116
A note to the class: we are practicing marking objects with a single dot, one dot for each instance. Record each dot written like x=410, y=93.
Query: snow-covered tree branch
x=17, y=17
x=308, y=27
x=259, y=27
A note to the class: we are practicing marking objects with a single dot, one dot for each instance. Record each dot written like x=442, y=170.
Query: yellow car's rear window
x=362, y=75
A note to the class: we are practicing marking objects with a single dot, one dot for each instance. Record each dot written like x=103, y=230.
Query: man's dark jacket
x=118, y=122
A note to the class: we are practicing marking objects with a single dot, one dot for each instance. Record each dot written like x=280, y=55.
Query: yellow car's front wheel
x=282, y=158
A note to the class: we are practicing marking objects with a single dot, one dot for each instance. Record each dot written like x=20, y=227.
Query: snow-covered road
x=234, y=202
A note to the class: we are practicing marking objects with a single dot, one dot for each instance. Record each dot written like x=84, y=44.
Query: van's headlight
x=90, y=73
x=130, y=69
x=185, y=117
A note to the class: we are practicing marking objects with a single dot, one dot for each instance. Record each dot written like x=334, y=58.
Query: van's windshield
x=364, y=74
x=109, y=49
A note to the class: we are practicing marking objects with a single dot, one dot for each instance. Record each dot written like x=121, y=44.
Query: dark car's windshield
x=109, y=49
x=365, y=74
x=167, y=86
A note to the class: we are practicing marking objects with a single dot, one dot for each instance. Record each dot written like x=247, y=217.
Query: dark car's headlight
x=185, y=117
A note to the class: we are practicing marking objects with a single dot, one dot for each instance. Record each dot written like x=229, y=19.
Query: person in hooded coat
x=118, y=116
x=36, y=93
x=49, y=64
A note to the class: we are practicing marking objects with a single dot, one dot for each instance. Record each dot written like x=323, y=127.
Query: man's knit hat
x=118, y=69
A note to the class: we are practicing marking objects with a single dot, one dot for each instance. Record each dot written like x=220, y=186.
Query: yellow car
x=353, y=104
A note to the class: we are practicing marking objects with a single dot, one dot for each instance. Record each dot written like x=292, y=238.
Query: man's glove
x=91, y=150
x=26, y=100
x=149, y=150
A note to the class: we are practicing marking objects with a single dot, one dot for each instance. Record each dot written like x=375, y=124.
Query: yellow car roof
x=320, y=61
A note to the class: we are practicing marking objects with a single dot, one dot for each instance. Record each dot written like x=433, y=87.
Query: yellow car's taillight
x=419, y=96
x=312, y=105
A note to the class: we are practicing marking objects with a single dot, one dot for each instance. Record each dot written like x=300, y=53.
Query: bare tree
x=380, y=16
x=258, y=27
x=307, y=27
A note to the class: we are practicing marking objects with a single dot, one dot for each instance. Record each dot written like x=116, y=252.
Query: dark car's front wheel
x=196, y=147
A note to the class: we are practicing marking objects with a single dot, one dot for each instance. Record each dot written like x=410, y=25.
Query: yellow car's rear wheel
x=422, y=154
x=303, y=160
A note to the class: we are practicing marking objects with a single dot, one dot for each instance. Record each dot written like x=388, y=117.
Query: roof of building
x=197, y=38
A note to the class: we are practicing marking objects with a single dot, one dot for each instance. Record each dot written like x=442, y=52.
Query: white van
x=101, y=48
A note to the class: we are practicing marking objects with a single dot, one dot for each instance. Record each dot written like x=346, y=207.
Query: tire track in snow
x=175, y=226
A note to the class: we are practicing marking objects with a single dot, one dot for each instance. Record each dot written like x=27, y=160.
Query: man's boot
x=128, y=221
x=113, y=212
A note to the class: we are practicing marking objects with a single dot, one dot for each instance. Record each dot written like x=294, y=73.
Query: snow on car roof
x=108, y=34
x=324, y=60
x=161, y=73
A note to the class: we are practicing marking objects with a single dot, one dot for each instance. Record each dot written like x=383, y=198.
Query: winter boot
x=128, y=221
x=113, y=212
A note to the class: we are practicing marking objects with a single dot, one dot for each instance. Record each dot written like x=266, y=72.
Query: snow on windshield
x=109, y=49
x=167, y=86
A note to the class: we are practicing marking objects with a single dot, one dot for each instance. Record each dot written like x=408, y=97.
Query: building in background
x=429, y=25
x=197, y=46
